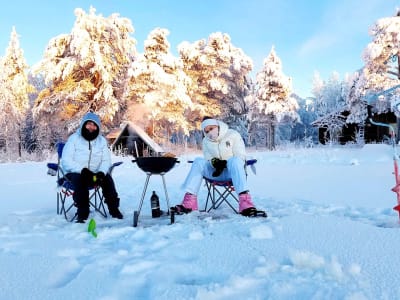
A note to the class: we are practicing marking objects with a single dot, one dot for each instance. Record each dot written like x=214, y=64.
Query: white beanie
x=208, y=122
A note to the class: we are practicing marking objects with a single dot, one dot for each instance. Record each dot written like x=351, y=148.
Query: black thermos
x=155, y=205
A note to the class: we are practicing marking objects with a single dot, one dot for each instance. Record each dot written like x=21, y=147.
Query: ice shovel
x=92, y=227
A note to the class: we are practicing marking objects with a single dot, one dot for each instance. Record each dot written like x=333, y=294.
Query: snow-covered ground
x=331, y=234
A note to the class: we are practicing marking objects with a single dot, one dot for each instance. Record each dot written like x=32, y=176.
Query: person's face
x=209, y=128
x=91, y=126
x=211, y=132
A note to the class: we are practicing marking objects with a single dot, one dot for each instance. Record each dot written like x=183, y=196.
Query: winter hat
x=209, y=122
x=86, y=134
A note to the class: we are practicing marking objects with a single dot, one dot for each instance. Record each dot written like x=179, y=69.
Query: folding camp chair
x=219, y=192
x=65, y=189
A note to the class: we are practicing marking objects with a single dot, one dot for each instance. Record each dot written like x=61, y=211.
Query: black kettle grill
x=153, y=165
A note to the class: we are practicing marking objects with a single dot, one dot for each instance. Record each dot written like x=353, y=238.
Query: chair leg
x=209, y=196
x=58, y=203
x=96, y=200
x=221, y=197
x=62, y=197
x=228, y=192
x=217, y=196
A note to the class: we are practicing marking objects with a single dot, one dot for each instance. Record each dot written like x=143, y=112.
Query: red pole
x=396, y=188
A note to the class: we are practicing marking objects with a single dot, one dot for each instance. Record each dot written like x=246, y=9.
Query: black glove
x=219, y=165
x=99, y=177
x=87, y=176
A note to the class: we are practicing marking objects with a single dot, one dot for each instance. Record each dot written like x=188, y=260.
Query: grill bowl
x=155, y=165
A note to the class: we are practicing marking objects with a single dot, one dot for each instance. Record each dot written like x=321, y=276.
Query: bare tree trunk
x=270, y=140
x=272, y=136
x=19, y=143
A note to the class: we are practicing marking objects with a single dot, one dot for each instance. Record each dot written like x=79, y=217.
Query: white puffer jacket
x=78, y=153
x=229, y=143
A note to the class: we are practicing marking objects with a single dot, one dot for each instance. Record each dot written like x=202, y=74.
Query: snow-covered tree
x=157, y=93
x=330, y=103
x=274, y=101
x=356, y=103
x=14, y=96
x=219, y=73
x=253, y=134
x=382, y=59
x=86, y=71
x=380, y=74
x=329, y=96
x=304, y=131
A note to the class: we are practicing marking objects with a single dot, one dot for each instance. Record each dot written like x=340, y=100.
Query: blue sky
x=314, y=35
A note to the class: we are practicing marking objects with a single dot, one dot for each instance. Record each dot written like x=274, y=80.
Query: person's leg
x=195, y=177
x=111, y=196
x=191, y=185
x=237, y=171
x=80, y=195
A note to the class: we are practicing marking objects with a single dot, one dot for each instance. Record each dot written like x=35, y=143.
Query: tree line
x=96, y=67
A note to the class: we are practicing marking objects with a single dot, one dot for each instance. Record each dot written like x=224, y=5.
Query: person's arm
x=68, y=162
x=106, y=157
x=206, y=151
x=239, y=148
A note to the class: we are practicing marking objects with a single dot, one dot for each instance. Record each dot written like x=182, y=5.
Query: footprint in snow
x=65, y=273
x=261, y=232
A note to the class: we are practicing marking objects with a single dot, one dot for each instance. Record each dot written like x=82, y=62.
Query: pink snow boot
x=189, y=203
x=246, y=207
x=245, y=201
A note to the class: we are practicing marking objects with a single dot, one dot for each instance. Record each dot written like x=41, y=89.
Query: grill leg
x=165, y=190
x=144, y=192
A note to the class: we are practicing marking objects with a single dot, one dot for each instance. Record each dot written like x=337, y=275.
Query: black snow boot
x=115, y=213
x=82, y=214
x=113, y=208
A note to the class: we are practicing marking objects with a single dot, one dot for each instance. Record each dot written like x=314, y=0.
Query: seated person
x=86, y=160
x=224, y=158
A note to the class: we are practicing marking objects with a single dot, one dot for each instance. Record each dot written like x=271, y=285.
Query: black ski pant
x=81, y=193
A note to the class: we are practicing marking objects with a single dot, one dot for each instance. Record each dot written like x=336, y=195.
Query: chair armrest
x=52, y=169
x=250, y=162
x=116, y=164
x=53, y=166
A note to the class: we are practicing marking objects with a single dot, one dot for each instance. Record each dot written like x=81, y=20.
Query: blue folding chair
x=65, y=189
x=219, y=192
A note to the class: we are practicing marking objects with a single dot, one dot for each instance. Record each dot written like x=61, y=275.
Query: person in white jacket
x=224, y=158
x=86, y=160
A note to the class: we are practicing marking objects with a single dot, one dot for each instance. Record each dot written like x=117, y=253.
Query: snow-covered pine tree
x=253, y=135
x=33, y=141
x=219, y=73
x=382, y=60
x=381, y=54
x=274, y=103
x=157, y=93
x=330, y=103
x=357, y=105
x=304, y=132
x=86, y=70
x=14, y=97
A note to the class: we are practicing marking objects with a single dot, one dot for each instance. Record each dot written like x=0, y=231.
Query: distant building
x=131, y=139
x=370, y=133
